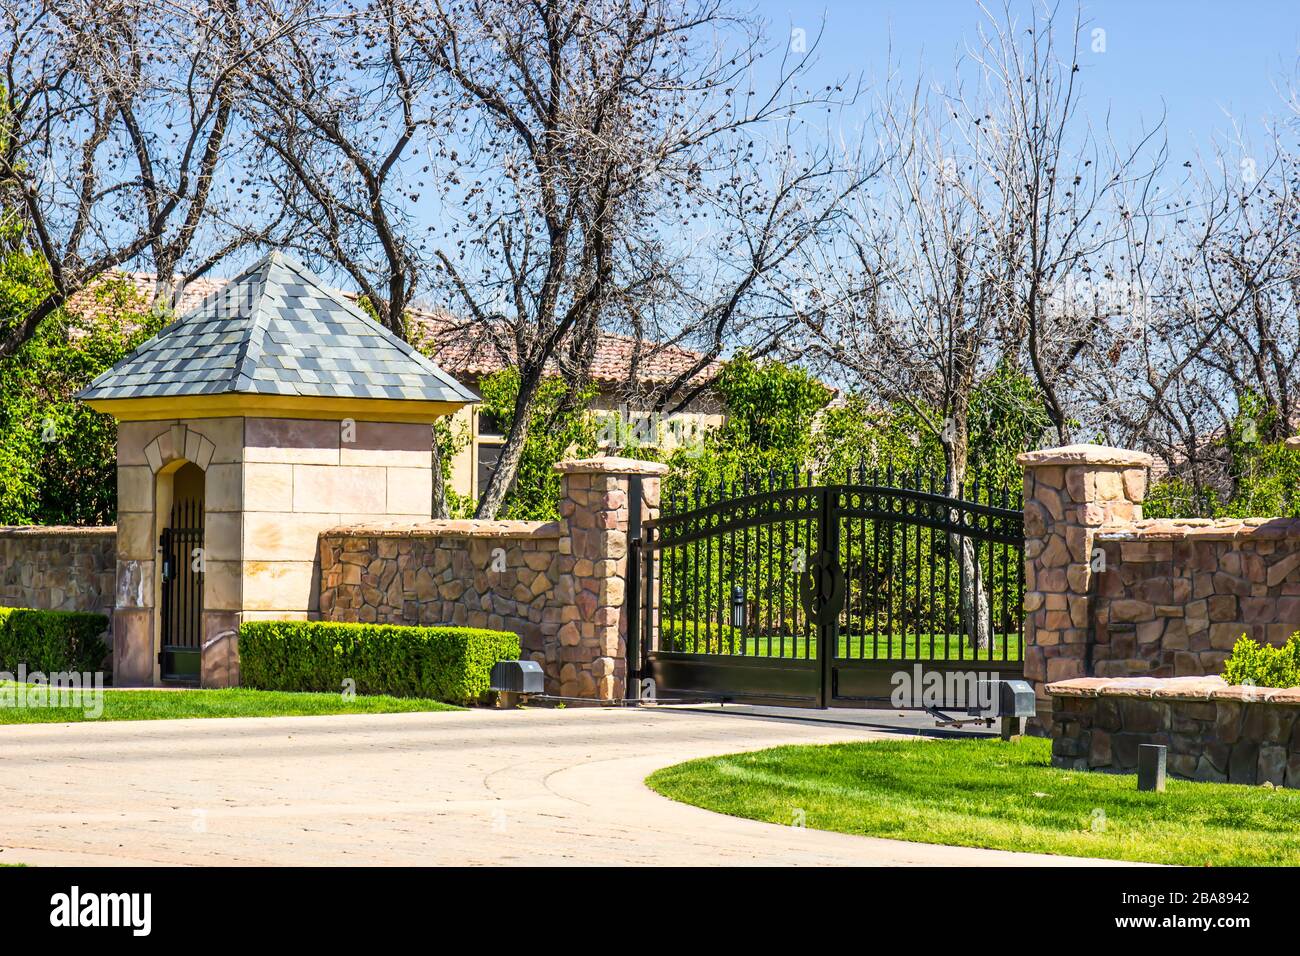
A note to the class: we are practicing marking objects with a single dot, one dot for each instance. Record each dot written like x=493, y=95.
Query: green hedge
x=1264, y=665
x=51, y=641
x=445, y=663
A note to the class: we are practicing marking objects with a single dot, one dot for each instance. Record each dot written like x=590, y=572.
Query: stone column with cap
x=1070, y=493
x=588, y=658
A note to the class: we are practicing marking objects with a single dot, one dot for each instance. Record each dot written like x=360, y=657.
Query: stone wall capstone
x=560, y=585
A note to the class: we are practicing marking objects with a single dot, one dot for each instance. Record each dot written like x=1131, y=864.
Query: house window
x=488, y=456
x=488, y=424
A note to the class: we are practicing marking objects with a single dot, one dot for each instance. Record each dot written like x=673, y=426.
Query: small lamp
x=738, y=607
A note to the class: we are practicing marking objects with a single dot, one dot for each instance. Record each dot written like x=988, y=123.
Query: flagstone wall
x=1213, y=732
x=58, y=568
x=560, y=585
x=1176, y=595
x=1110, y=594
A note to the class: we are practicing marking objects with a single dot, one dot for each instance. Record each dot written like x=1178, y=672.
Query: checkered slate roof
x=278, y=329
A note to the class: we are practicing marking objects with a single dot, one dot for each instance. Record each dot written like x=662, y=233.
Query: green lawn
x=986, y=793
x=240, y=702
x=880, y=647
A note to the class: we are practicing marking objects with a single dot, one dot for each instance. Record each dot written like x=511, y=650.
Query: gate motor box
x=514, y=679
x=1004, y=698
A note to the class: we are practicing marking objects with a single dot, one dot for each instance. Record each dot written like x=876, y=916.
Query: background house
x=630, y=379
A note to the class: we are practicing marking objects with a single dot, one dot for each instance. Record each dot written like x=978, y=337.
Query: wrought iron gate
x=876, y=591
x=181, y=608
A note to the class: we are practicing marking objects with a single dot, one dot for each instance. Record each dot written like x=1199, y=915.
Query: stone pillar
x=589, y=657
x=1070, y=493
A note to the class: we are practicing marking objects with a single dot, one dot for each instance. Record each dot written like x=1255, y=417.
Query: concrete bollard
x=1151, y=767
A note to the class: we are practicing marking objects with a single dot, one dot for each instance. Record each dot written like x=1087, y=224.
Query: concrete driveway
x=478, y=787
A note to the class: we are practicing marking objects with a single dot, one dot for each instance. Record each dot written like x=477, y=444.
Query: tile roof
x=277, y=329
x=88, y=304
x=467, y=350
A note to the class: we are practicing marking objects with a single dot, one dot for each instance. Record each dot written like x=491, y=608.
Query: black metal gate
x=181, y=607
x=875, y=591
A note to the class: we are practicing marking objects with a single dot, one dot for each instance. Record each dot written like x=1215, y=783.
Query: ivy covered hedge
x=51, y=641
x=445, y=663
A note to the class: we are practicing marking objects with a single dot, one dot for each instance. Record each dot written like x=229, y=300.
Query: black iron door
x=720, y=613
x=181, y=606
x=874, y=591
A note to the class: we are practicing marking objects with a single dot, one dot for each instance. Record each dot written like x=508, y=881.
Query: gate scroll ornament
x=821, y=588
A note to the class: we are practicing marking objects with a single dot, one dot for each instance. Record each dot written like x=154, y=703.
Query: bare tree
x=1058, y=191
x=741, y=284
x=580, y=143
x=344, y=108
x=117, y=118
x=911, y=303
x=341, y=106
x=1217, y=323
x=1001, y=211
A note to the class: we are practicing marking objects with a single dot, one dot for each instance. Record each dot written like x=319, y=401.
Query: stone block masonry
x=1214, y=732
x=270, y=486
x=560, y=585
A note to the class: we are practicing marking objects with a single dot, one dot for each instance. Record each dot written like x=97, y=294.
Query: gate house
x=272, y=411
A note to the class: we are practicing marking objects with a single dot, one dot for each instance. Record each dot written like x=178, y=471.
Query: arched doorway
x=181, y=604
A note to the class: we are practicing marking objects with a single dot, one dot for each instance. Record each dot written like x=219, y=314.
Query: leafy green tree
x=23, y=283
x=1263, y=474
x=779, y=423
x=1260, y=480
x=1007, y=416
x=771, y=412
x=857, y=434
x=770, y=406
x=556, y=429
x=448, y=442
x=57, y=455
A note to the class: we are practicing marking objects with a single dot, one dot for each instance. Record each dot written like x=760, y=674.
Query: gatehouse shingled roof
x=277, y=329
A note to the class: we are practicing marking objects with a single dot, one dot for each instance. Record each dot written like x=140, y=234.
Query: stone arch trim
x=178, y=443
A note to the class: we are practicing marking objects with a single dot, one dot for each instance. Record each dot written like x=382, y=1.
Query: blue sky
x=1193, y=58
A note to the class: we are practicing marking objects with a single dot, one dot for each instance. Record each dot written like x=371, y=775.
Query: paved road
x=478, y=787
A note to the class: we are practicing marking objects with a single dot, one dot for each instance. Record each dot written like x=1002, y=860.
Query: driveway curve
x=531, y=787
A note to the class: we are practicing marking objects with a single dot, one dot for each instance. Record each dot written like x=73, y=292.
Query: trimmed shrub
x=700, y=637
x=1263, y=664
x=50, y=641
x=445, y=663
